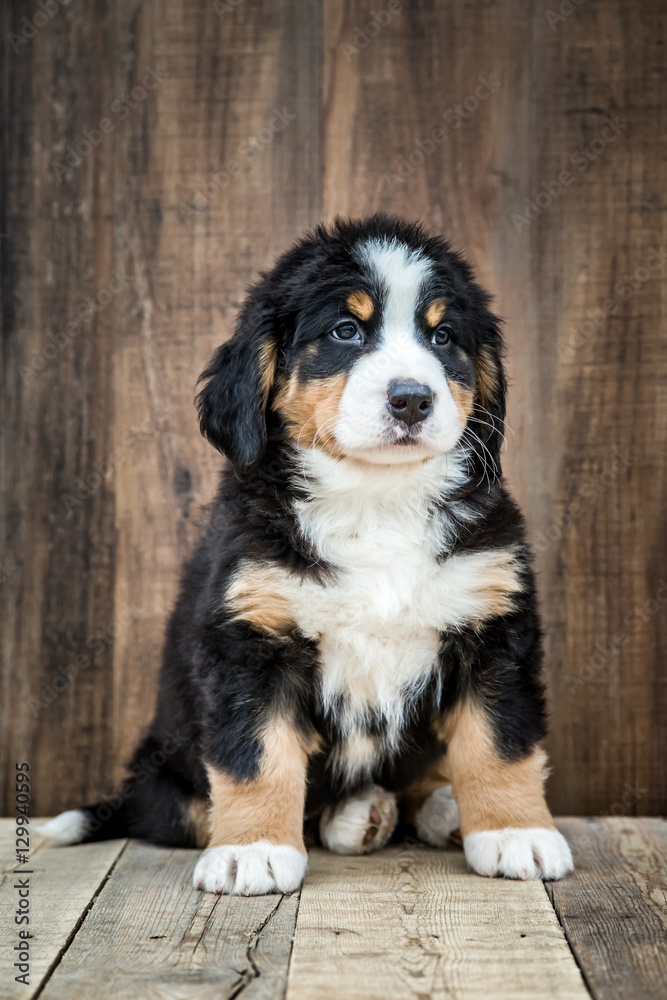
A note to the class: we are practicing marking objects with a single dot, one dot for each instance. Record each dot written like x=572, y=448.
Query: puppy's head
x=369, y=340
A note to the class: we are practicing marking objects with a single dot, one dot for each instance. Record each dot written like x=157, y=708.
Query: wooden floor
x=121, y=920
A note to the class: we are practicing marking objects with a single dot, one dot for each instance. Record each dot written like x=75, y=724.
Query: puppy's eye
x=345, y=331
x=442, y=335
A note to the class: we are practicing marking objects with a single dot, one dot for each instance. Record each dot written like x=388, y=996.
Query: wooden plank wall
x=251, y=121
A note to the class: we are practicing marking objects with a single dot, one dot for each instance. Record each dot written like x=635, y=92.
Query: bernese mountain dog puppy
x=357, y=634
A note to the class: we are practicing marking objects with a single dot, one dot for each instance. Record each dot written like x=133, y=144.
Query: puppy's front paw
x=516, y=853
x=362, y=823
x=250, y=869
x=438, y=817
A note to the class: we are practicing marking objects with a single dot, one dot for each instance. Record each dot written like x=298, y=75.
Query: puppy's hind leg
x=362, y=823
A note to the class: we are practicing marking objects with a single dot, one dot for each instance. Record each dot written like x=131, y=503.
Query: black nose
x=409, y=401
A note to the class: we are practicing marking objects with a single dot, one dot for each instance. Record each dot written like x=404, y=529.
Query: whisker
x=491, y=426
x=490, y=415
x=496, y=470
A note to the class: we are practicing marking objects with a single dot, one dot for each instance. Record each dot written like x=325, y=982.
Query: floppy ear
x=239, y=377
x=490, y=393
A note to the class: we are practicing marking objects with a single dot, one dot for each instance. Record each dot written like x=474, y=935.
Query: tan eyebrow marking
x=435, y=312
x=361, y=305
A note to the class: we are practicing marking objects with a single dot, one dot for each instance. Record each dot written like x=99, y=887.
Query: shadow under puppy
x=358, y=628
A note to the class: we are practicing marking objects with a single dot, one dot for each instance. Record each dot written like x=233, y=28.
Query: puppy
x=358, y=630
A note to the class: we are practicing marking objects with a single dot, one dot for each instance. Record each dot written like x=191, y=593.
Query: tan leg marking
x=256, y=594
x=269, y=807
x=435, y=312
x=492, y=793
x=416, y=795
x=361, y=305
x=196, y=821
x=310, y=411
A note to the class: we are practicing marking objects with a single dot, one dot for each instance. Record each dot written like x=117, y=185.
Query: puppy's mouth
x=403, y=435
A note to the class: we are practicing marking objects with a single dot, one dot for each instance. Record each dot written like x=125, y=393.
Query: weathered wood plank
x=413, y=922
x=62, y=883
x=151, y=935
x=614, y=907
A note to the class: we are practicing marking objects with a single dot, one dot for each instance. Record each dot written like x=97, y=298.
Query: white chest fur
x=379, y=616
x=378, y=623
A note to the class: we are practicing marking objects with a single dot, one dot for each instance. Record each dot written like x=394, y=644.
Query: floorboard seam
x=570, y=943
x=253, y=973
x=291, y=951
x=75, y=930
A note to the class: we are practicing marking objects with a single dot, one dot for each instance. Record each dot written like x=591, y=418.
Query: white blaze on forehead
x=402, y=273
x=364, y=427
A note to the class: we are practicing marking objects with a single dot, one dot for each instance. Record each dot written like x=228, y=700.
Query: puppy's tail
x=82, y=826
x=161, y=810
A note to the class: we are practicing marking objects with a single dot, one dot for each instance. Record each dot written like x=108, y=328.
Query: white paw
x=250, y=869
x=360, y=824
x=516, y=853
x=438, y=817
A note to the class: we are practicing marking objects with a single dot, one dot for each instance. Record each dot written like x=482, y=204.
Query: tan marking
x=498, y=583
x=268, y=357
x=269, y=807
x=310, y=411
x=196, y=822
x=416, y=795
x=492, y=793
x=256, y=595
x=463, y=399
x=361, y=305
x=435, y=312
x=487, y=377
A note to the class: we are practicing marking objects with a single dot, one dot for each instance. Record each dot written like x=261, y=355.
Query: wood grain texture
x=62, y=883
x=151, y=935
x=413, y=922
x=614, y=907
x=408, y=921
x=192, y=192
